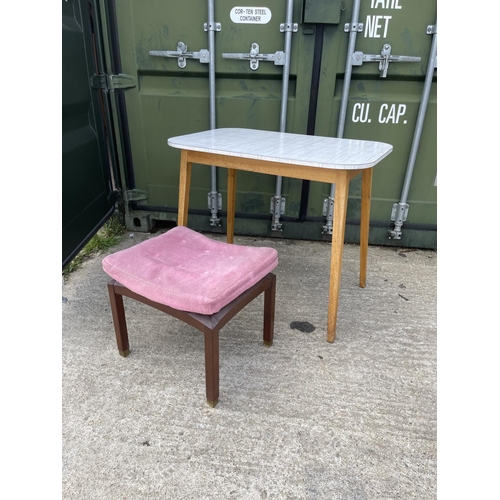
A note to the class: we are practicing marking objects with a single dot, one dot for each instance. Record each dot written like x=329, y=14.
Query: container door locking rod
x=353, y=28
x=214, y=197
x=400, y=210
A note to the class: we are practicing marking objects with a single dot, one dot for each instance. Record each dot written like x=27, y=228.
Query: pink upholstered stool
x=198, y=280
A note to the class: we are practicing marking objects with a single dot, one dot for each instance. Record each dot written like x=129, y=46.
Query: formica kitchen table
x=322, y=159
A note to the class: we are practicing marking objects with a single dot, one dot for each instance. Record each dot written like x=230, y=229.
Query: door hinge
x=112, y=82
x=114, y=196
x=399, y=212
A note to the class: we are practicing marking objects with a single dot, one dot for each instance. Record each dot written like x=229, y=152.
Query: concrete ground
x=303, y=419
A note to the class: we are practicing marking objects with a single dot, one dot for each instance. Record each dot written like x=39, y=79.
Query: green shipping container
x=152, y=70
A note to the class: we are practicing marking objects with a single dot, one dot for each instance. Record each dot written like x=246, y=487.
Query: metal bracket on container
x=254, y=56
x=214, y=205
x=212, y=26
x=289, y=27
x=136, y=195
x=327, y=202
x=112, y=82
x=399, y=212
x=214, y=200
x=398, y=216
x=182, y=54
x=277, y=209
x=328, y=213
x=357, y=27
x=431, y=29
x=385, y=57
x=281, y=204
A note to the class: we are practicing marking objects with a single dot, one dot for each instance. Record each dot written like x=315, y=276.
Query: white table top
x=296, y=149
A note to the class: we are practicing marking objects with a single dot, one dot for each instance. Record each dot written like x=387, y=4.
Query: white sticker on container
x=250, y=15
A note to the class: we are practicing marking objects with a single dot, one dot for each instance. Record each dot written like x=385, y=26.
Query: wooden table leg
x=184, y=185
x=231, y=203
x=338, y=232
x=366, y=192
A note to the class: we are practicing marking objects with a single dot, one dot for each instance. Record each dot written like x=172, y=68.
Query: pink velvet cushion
x=188, y=271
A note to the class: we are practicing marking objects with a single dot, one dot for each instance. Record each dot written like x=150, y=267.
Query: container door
x=86, y=188
x=384, y=102
x=172, y=98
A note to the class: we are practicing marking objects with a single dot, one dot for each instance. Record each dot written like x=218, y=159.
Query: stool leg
x=269, y=300
x=212, y=366
x=118, y=311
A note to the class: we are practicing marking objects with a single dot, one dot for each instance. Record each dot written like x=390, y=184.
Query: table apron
x=273, y=168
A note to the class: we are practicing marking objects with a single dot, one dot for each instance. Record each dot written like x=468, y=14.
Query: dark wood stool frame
x=208, y=324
